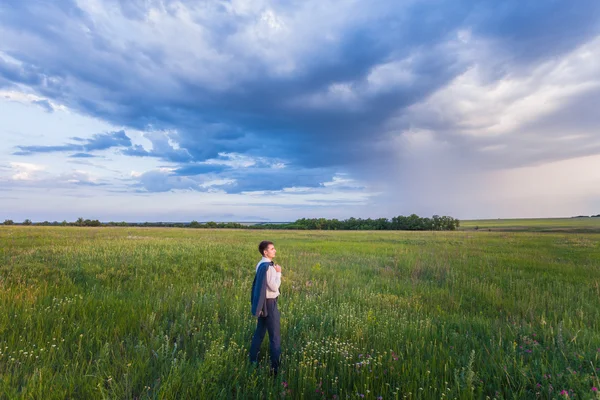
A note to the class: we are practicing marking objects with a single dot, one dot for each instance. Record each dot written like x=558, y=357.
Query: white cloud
x=238, y=161
x=29, y=175
x=78, y=177
x=29, y=98
x=473, y=105
x=25, y=171
x=342, y=180
x=217, y=182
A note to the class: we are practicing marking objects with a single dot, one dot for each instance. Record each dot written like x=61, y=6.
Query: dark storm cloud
x=99, y=141
x=82, y=155
x=198, y=169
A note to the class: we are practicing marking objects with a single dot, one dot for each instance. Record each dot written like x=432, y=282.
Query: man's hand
x=278, y=268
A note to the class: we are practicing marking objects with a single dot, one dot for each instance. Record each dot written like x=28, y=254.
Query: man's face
x=270, y=251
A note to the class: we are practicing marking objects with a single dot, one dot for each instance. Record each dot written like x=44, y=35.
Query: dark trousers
x=270, y=324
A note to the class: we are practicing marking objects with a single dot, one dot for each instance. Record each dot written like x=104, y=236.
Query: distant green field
x=158, y=313
x=541, y=224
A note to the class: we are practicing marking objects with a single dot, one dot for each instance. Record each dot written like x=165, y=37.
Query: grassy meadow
x=580, y=224
x=152, y=313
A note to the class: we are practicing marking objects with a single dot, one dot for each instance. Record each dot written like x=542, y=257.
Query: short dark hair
x=263, y=246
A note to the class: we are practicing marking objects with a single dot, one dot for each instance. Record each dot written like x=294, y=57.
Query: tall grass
x=164, y=314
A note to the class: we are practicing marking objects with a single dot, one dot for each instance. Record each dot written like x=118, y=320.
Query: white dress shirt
x=273, y=279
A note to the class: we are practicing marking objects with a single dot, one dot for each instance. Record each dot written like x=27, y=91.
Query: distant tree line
x=400, y=223
x=95, y=222
x=79, y=222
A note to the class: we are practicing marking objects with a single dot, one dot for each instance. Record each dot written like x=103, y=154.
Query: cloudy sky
x=166, y=110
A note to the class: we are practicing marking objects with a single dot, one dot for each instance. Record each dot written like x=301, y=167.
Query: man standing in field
x=265, y=290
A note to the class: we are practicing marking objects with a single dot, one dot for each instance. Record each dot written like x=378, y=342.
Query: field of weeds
x=134, y=313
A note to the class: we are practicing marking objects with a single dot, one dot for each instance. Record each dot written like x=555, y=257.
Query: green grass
x=164, y=314
x=535, y=225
